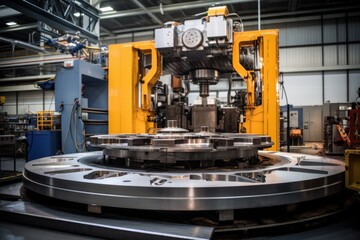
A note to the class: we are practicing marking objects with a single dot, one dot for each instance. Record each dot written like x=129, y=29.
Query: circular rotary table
x=126, y=173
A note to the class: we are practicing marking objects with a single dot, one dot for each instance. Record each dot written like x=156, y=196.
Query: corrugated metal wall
x=323, y=54
x=28, y=102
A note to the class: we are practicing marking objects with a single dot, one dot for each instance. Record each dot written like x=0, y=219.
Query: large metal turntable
x=179, y=171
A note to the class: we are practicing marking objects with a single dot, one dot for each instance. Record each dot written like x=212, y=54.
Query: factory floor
x=312, y=148
x=346, y=228
x=7, y=164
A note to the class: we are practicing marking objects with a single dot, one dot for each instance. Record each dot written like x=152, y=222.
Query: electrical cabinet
x=81, y=96
x=43, y=143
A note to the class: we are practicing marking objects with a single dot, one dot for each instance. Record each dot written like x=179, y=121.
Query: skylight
x=106, y=9
x=11, y=23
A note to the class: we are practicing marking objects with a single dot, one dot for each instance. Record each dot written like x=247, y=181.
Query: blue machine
x=43, y=143
x=81, y=96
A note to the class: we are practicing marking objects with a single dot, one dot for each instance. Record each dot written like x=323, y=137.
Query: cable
x=68, y=128
x=229, y=91
x=241, y=22
x=283, y=91
x=80, y=147
x=288, y=110
x=52, y=99
x=32, y=141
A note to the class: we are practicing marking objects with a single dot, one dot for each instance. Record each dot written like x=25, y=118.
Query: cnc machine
x=203, y=51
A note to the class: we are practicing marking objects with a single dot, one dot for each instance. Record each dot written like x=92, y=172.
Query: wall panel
x=303, y=89
x=335, y=55
x=29, y=102
x=354, y=28
x=335, y=86
x=354, y=53
x=354, y=85
x=301, y=57
x=301, y=33
x=334, y=30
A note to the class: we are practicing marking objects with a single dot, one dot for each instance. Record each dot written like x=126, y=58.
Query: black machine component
x=200, y=51
x=333, y=142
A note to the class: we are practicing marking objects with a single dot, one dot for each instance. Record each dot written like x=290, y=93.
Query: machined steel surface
x=287, y=178
x=103, y=227
x=174, y=145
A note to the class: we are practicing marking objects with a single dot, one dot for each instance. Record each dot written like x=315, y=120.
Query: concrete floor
x=7, y=164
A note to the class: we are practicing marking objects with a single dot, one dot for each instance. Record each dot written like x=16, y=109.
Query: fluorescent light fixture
x=77, y=14
x=11, y=23
x=106, y=9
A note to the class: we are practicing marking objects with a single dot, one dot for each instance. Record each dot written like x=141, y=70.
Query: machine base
x=114, y=223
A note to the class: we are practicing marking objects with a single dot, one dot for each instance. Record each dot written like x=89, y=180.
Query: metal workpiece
x=178, y=147
x=172, y=127
x=281, y=178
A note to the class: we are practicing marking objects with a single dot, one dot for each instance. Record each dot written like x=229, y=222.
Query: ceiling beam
x=19, y=28
x=118, y=22
x=20, y=88
x=50, y=19
x=26, y=78
x=148, y=12
x=293, y=5
x=22, y=44
x=136, y=29
x=8, y=12
x=170, y=8
x=34, y=60
x=107, y=31
x=245, y=18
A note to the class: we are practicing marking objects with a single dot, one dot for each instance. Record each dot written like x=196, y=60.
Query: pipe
x=22, y=44
x=259, y=15
x=247, y=18
x=148, y=12
x=288, y=128
x=169, y=8
x=187, y=88
x=229, y=91
x=43, y=99
x=17, y=103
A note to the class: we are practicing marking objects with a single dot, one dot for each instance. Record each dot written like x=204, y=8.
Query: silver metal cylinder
x=209, y=76
x=204, y=90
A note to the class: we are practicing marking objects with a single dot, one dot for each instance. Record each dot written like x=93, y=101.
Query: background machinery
x=342, y=127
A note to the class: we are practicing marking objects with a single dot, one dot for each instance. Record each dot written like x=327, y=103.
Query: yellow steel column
x=122, y=83
x=270, y=72
x=263, y=119
x=126, y=113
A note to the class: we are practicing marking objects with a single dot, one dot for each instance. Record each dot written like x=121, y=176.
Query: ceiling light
x=11, y=23
x=77, y=14
x=106, y=9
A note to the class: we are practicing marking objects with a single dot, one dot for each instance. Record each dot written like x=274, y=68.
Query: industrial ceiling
x=129, y=16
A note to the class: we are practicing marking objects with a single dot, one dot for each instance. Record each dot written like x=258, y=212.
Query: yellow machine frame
x=127, y=112
x=125, y=115
x=352, y=173
x=263, y=119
